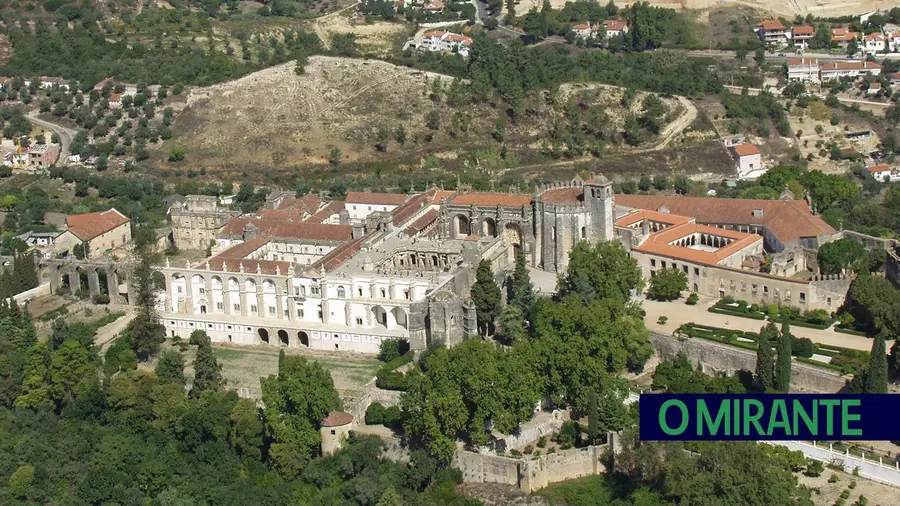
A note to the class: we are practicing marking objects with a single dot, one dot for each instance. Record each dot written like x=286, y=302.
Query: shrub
x=862, y=501
x=100, y=298
x=692, y=299
x=391, y=380
x=772, y=310
x=551, y=450
x=852, y=484
x=528, y=450
x=754, y=308
x=662, y=320
x=803, y=347
x=845, y=494
x=833, y=478
x=728, y=299
x=856, y=471
x=392, y=348
x=515, y=453
x=814, y=468
x=542, y=442
x=390, y=416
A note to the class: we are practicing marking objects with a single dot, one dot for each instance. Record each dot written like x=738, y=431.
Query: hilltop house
x=441, y=41
x=851, y=69
x=874, y=43
x=747, y=161
x=802, y=34
x=882, y=173
x=803, y=69
x=615, y=27
x=842, y=36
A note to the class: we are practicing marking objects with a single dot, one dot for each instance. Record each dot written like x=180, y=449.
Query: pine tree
x=613, y=415
x=170, y=368
x=877, y=380
x=145, y=332
x=59, y=333
x=280, y=360
x=512, y=327
x=593, y=416
x=486, y=296
x=207, y=371
x=523, y=289
x=765, y=360
x=783, y=364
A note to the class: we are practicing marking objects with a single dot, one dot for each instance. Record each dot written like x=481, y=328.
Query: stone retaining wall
x=717, y=358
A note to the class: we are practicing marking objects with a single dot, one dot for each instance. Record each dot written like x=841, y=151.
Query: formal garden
x=843, y=360
x=814, y=319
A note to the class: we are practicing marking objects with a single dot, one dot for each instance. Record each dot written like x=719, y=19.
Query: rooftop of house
x=363, y=256
x=803, y=61
x=660, y=243
x=803, y=30
x=637, y=216
x=91, y=225
x=771, y=25
x=787, y=220
x=745, y=150
x=384, y=199
x=874, y=36
x=615, y=25
x=38, y=149
x=850, y=65
x=422, y=222
x=337, y=418
x=877, y=169
x=288, y=230
x=234, y=259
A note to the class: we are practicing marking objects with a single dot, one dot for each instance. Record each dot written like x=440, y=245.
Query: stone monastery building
x=345, y=275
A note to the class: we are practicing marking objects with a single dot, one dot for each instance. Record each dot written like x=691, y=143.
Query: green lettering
x=846, y=417
x=737, y=417
x=800, y=412
x=830, y=404
x=779, y=410
x=753, y=418
x=662, y=417
x=704, y=418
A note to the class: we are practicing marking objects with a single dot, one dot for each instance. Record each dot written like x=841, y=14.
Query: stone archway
x=263, y=335
x=283, y=337
x=400, y=317
x=512, y=236
x=304, y=338
x=379, y=316
x=462, y=225
x=489, y=227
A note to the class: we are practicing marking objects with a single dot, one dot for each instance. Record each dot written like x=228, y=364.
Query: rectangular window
x=406, y=294
x=271, y=310
x=314, y=289
x=299, y=312
x=253, y=309
x=686, y=269
x=179, y=290
x=237, y=307
x=663, y=264
x=359, y=321
x=696, y=271
x=359, y=291
x=202, y=290
x=802, y=297
x=383, y=293
x=220, y=306
x=765, y=290
x=652, y=262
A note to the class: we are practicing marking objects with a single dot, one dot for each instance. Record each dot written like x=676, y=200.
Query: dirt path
x=65, y=135
x=675, y=128
x=107, y=333
x=320, y=30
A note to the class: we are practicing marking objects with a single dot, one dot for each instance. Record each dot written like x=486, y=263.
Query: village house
x=115, y=101
x=874, y=88
x=42, y=155
x=772, y=31
x=441, y=41
x=842, y=36
x=49, y=82
x=615, y=27
x=893, y=41
x=895, y=79
x=852, y=69
x=99, y=232
x=434, y=7
x=804, y=70
x=360, y=205
x=38, y=239
x=802, y=34
x=583, y=30
x=15, y=159
x=882, y=173
x=874, y=42
x=747, y=161
x=102, y=84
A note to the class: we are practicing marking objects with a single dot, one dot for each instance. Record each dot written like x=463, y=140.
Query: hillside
x=277, y=120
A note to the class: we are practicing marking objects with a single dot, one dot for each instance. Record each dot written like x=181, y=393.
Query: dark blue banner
x=772, y=417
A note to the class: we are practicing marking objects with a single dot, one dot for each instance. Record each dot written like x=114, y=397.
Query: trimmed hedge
x=389, y=416
x=389, y=379
x=736, y=312
x=802, y=323
x=851, y=331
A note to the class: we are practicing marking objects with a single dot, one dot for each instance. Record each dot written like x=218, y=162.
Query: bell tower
x=600, y=202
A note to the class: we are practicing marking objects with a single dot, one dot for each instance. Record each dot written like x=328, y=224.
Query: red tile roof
x=412, y=206
x=582, y=26
x=336, y=419
x=288, y=230
x=849, y=65
x=788, y=220
x=269, y=267
x=615, y=25
x=803, y=31
x=336, y=257
x=803, y=61
x=333, y=207
x=569, y=195
x=645, y=214
x=241, y=250
x=308, y=203
x=115, y=97
x=842, y=34
x=659, y=243
x=878, y=168
x=874, y=36
x=91, y=225
x=493, y=199
x=384, y=199
x=422, y=222
x=745, y=150
x=771, y=25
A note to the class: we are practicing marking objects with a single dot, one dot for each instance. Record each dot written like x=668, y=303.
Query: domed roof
x=598, y=179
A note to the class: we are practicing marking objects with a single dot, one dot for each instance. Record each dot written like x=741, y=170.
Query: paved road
x=679, y=313
x=772, y=58
x=755, y=91
x=65, y=135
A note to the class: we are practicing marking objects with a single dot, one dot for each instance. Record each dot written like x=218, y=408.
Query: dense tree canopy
x=601, y=271
x=667, y=284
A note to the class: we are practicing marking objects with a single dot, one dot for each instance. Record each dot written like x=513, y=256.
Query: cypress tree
x=783, y=364
x=487, y=297
x=765, y=360
x=877, y=380
x=170, y=368
x=593, y=416
x=523, y=289
x=280, y=360
x=207, y=371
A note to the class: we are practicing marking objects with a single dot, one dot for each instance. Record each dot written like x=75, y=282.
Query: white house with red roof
x=882, y=173
x=583, y=30
x=747, y=161
x=842, y=36
x=100, y=232
x=804, y=70
x=802, y=34
x=50, y=82
x=441, y=41
x=852, y=69
x=102, y=84
x=874, y=42
x=615, y=27
x=361, y=204
x=772, y=31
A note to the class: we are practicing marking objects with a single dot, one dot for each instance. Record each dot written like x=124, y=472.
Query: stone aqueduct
x=97, y=277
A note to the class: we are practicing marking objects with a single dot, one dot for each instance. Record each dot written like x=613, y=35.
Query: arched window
x=342, y=293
